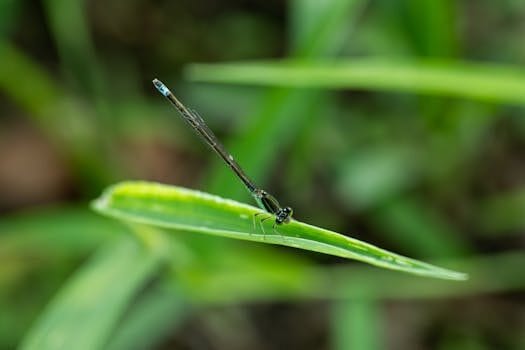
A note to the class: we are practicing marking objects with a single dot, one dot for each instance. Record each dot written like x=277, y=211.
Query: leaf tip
x=457, y=276
x=451, y=275
x=102, y=202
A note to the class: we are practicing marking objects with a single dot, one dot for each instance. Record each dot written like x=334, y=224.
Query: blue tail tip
x=161, y=87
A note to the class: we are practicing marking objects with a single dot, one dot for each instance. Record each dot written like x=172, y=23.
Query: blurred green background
x=400, y=123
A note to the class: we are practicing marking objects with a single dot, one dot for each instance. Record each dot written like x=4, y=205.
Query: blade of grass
x=183, y=209
x=356, y=320
x=272, y=127
x=40, y=95
x=490, y=274
x=502, y=84
x=58, y=231
x=150, y=320
x=53, y=236
x=70, y=30
x=87, y=308
x=67, y=123
x=320, y=28
x=430, y=25
x=38, y=250
x=419, y=228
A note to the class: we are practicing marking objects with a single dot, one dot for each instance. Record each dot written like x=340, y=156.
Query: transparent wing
x=196, y=121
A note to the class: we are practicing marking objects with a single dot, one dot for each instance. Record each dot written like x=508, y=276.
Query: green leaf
x=467, y=80
x=151, y=318
x=356, y=319
x=48, y=232
x=87, y=308
x=319, y=30
x=184, y=209
x=68, y=124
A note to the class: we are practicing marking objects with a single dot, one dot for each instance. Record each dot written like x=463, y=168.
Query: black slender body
x=263, y=198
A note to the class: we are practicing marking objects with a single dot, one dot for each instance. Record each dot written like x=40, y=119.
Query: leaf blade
x=184, y=209
x=84, y=312
x=486, y=82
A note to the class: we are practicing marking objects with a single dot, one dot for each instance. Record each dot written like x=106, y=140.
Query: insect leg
x=276, y=232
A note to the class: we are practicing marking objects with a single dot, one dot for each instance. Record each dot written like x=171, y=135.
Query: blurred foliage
x=416, y=146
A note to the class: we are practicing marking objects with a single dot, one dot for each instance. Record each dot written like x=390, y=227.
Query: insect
x=265, y=200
